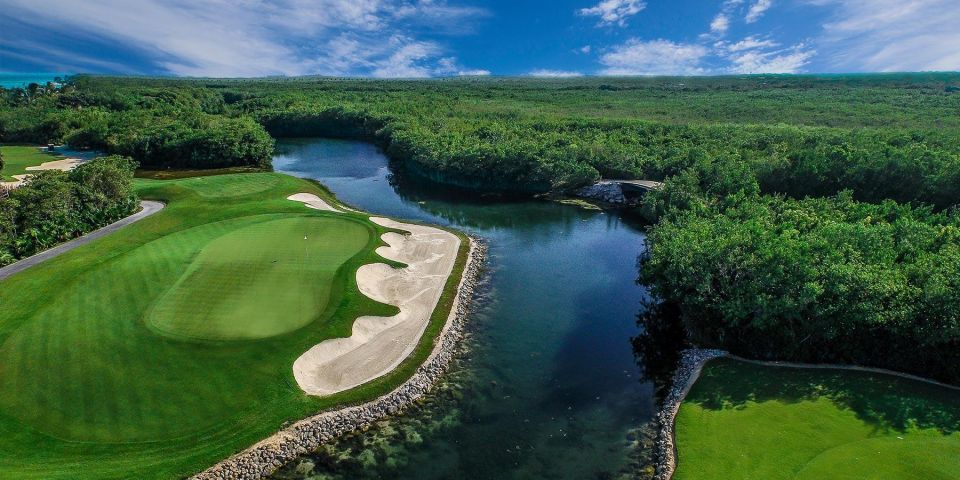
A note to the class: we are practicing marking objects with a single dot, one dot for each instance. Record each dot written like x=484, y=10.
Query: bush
x=53, y=206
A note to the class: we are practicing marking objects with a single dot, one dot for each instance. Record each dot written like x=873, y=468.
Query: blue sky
x=429, y=38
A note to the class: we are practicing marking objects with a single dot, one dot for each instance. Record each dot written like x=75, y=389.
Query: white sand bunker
x=65, y=164
x=312, y=201
x=379, y=344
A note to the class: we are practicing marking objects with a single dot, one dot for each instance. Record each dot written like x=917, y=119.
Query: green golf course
x=16, y=159
x=165, y=347
x=749, y=421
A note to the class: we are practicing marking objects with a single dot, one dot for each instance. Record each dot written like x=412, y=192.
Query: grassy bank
x=16, y=159
x=101, y=377
x=743, y=421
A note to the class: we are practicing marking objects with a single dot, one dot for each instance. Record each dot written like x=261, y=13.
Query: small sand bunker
x=64, y=164
x=378, y=344
x=312, y=201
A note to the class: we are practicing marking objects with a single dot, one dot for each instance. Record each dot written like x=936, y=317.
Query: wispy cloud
x=554, y=73
x=758, y=9
x=256, y=38
x=750, y=43
x=752, y=56
x=891, y=35
x=614, y=12
x=655, y=57
x=720, y=24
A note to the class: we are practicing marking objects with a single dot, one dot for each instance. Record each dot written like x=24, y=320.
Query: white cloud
x=477, y=72
x=656, y=57
x=449, y=66
x=790, y=60
x=891, y=35
x=256, y=37
x=720, y=24
x=614, y=12
x=585, y=49
x=755, y=54
x=554, y=73
x=758, y=9
x=749, y=43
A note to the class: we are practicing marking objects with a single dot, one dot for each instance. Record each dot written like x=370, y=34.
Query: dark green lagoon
x=548, y=387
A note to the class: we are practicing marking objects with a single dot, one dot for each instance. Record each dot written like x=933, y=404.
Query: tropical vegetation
x=54, y=206
x=758, y=170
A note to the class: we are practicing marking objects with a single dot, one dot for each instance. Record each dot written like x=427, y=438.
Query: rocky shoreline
x=688, y=370
x=307, y=435
x=607, y=192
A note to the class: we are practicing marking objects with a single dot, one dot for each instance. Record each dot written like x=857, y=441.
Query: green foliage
x=53, y=206
x=826, y=279
x=883, y=136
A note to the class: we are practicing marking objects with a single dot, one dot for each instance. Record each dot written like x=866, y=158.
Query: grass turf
x=747, y=421
x=89, y=390
x=16, y=159
x=257, y=277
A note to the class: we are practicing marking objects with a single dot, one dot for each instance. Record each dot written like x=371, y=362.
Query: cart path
x=147, y=208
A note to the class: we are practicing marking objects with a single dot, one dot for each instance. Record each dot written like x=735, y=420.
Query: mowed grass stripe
x=744, y=421
x=88, y=391
x=291, y=261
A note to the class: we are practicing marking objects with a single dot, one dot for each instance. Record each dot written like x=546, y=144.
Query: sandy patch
x=62, y=164
x=378, y=344
x=16, y=183
x=312, y=201
x=65, y=164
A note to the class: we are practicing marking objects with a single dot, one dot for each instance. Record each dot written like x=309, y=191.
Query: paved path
x=645, y=184
x=148, y=208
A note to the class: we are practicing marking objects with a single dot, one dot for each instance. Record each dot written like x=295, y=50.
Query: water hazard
x=549, y=387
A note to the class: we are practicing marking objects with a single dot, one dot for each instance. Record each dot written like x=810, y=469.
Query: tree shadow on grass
x=884, y=401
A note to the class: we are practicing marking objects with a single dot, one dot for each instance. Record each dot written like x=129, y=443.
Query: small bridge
x=644, y=185
x=618, y=192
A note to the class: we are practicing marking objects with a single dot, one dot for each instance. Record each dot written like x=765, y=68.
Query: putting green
x=256, y=280
x=746, y=421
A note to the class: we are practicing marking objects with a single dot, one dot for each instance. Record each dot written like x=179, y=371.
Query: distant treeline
x=52, y=207
x=884, y=136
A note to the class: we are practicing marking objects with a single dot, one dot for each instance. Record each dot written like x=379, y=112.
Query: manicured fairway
x=17, y=158
x=159, y=350
x=745, y=421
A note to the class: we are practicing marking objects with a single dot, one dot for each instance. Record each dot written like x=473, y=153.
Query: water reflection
x=550, y=387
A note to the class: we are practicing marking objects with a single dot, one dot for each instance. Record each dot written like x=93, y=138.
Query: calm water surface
x=19, y=80
x=549, y=387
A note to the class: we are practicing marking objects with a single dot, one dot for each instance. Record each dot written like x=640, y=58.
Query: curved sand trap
x=312, y=201
x=379, y=344
x=64, y=164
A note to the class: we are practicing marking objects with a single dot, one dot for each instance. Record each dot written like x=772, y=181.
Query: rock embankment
x=607, y=192
x=688, y=370
x=306, y=435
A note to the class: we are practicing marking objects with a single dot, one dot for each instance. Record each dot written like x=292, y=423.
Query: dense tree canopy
x=825, y=279
x=883, y=136
x=53, y=206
